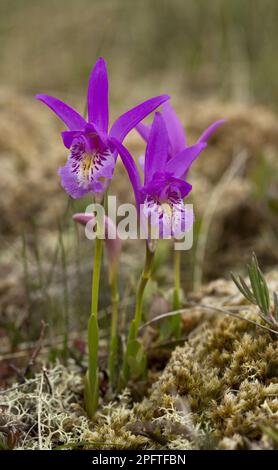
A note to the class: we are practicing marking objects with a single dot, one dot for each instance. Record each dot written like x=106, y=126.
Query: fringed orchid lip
x=166, y=219
x=92, y=158
x=164, y=208
x=90, y=166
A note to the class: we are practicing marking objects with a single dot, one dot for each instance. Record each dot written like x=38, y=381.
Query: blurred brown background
x=195, y=47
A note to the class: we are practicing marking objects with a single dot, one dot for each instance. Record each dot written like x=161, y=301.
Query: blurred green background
x=223, y=48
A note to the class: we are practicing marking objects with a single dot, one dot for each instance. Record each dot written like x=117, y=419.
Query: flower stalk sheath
x=113, y=250
x=133, y=351
x=92, y=378
x=177, y=305
x=177, y=275
x=114, y=347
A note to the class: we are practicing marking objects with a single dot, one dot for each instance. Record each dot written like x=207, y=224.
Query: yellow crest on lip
x=166, y=209
x=85, y=168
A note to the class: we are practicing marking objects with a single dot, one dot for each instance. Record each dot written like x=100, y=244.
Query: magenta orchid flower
x=91, y=160
x=176, y=134
x=161, y=197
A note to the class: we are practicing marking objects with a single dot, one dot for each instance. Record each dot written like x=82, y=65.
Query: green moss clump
x=227, y=374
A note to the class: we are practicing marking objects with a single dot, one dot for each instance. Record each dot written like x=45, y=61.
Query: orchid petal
x=110, y=228
x=131, y=169
x=183, y=187
x=144, y=131
x=83, y=218
x=98, y=112
x=93, y=132
x=175, y=129
x=157, y=148
x=180, y=164
x=90, y=132
x=127, y=121
x=141, y=161
x=69, y=136
x=207, y=133
x=69, y=116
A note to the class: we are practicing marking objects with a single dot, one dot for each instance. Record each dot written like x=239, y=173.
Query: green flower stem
x=113, y=350
x=177, y=274
x=131, y=348
x=92, y=379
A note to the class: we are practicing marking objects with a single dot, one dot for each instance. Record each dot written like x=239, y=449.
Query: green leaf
x=264, y=290
x=91, y=394
x=271, y=431
x=275, y=297
x=253, y=281
x=243, y=288
x=170, y=327
x=131, y=352
x=92, y=379
x=137, y=360
x=260, y=293
x=259, y=286
x=93, y=337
